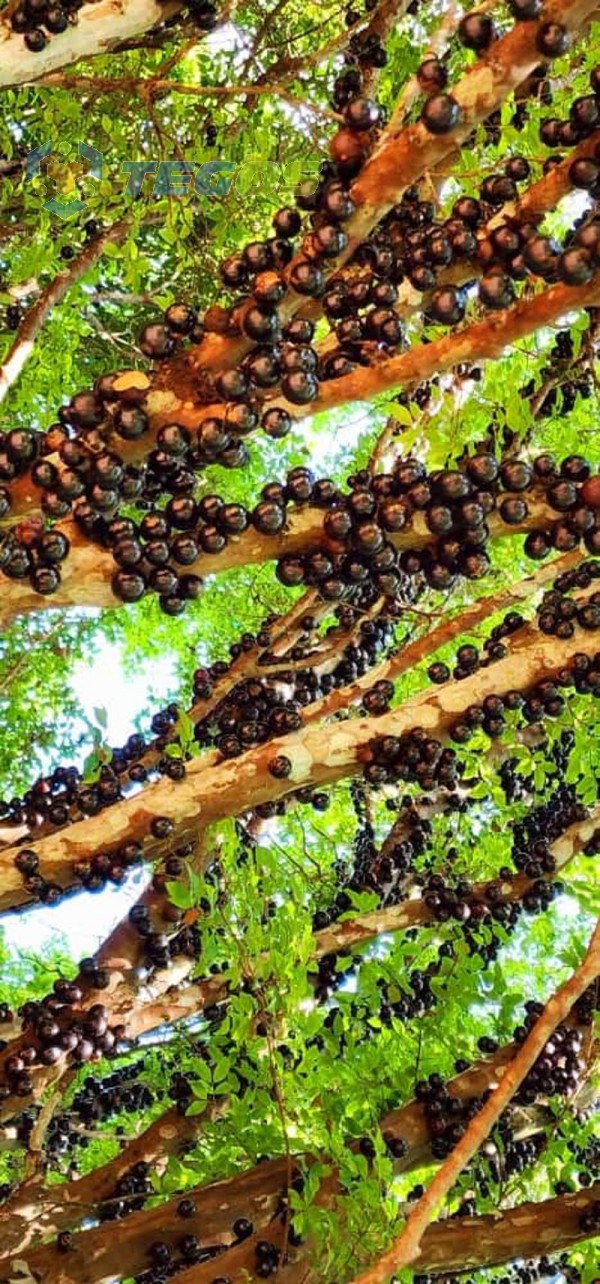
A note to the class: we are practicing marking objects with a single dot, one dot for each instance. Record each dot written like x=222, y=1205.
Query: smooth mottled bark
x=100, y=27
x=87, y=572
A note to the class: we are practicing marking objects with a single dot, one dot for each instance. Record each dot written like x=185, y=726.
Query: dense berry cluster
x=351, y=874
x=559, y=1068
x=375, y=526
x=59, y=1027
x=566, y=376
x=39, y=19
x=80, y=464
x=412, y=758
x=535, y=833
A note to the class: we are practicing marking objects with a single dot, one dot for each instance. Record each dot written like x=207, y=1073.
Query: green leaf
x=180, y=895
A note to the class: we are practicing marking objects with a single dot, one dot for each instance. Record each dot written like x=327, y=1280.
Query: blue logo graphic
x=65, y=175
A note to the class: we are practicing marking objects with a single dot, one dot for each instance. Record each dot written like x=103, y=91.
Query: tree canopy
x=299, y=661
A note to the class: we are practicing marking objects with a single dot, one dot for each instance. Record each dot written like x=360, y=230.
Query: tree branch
x=86, y=573
x=318, y=755
x=471, y=1243
x=35, y=1209
x=481, y=341
x=408, y=1245
x=99, y=28
x=53, y=294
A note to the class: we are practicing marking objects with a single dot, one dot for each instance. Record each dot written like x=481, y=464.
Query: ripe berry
x=181, y=318
x=513, y=511
x=307, y=278
x=243, y=1228
x=552, y=39
x=156, y=342
x=496, y=290
x=441, y=114
x=432, y=75
x=575, y=266
x=300, y=387
x=362, y=114
x=584, y=173
x=128, y=586
x=525, y=10
x=287, y=222
x=476, y=31
x=35, y=40
x=447, y=305
x=438, y=672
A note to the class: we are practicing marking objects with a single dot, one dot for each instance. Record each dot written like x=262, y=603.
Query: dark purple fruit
x=441, y=114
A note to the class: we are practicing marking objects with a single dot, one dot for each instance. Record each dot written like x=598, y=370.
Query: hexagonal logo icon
x=64, y=175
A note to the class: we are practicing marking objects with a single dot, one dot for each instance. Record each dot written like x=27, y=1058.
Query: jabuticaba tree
x=326, y=441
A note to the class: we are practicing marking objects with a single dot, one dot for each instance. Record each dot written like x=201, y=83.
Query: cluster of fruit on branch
x=81, y=465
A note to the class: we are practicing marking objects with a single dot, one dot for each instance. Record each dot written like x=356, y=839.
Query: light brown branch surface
x=100, y=27
x=469, y=1243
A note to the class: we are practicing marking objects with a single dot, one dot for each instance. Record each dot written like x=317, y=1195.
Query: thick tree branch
x=100, y=27
x=415, y=912
x=288, y=629
x=470, y=1243
x=401, y=159
x=533, y=204
x=481, y=341
x=36, y=1209
x=98, y=1257
x=86, y=574
x=317, y=755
